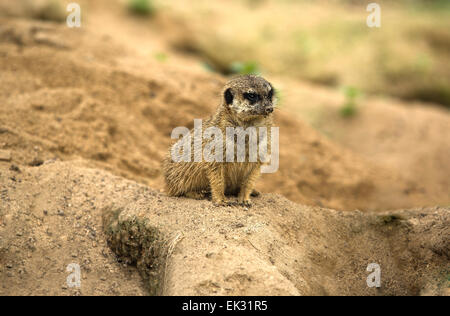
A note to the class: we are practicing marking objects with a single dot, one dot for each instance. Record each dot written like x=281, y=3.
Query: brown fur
x=196, y=179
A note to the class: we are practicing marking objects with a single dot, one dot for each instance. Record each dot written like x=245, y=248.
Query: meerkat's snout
x=267, y=107
x=264, y=108
x=268, y=110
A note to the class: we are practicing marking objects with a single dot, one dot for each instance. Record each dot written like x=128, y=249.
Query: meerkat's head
x=249, y=97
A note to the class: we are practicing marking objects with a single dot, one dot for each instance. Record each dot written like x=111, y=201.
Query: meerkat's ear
x=228, y=96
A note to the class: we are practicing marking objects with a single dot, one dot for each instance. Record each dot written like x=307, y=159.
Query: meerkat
x=247, y=101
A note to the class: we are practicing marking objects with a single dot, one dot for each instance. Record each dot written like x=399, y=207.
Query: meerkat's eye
x=270, y=95
x=252, y=97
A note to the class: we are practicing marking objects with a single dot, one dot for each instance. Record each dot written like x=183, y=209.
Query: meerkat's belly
x=235, y=174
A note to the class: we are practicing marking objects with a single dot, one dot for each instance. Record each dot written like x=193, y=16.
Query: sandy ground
x=85, y=121
x=64, y=213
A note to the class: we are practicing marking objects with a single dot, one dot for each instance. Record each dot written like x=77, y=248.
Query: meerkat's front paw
x=196, y=195
x=245, y=203
x=223, y=202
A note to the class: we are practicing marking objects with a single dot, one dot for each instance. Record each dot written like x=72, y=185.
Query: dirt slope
x=51, y=216
x=43, y=229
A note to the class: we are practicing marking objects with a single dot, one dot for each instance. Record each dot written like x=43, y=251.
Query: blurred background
x=353, y=100
x=323, y=42
x=326, y=43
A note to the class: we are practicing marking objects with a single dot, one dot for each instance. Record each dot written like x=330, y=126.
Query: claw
x=246, y=203
x=224, y=203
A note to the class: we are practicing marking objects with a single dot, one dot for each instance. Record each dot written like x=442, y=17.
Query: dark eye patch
x=228, y=96
x=252, y=97
x=270, y=95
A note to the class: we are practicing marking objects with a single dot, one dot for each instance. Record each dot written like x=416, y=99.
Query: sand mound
x=52, y=217
x=406, y=137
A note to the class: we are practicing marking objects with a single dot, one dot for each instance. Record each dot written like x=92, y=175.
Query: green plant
x=207, y=66
x=245, y=68
x=349, y=108
x=161, y=57
x=141, y=7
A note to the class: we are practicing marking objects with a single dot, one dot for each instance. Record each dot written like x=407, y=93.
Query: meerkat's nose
x=269, y=110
